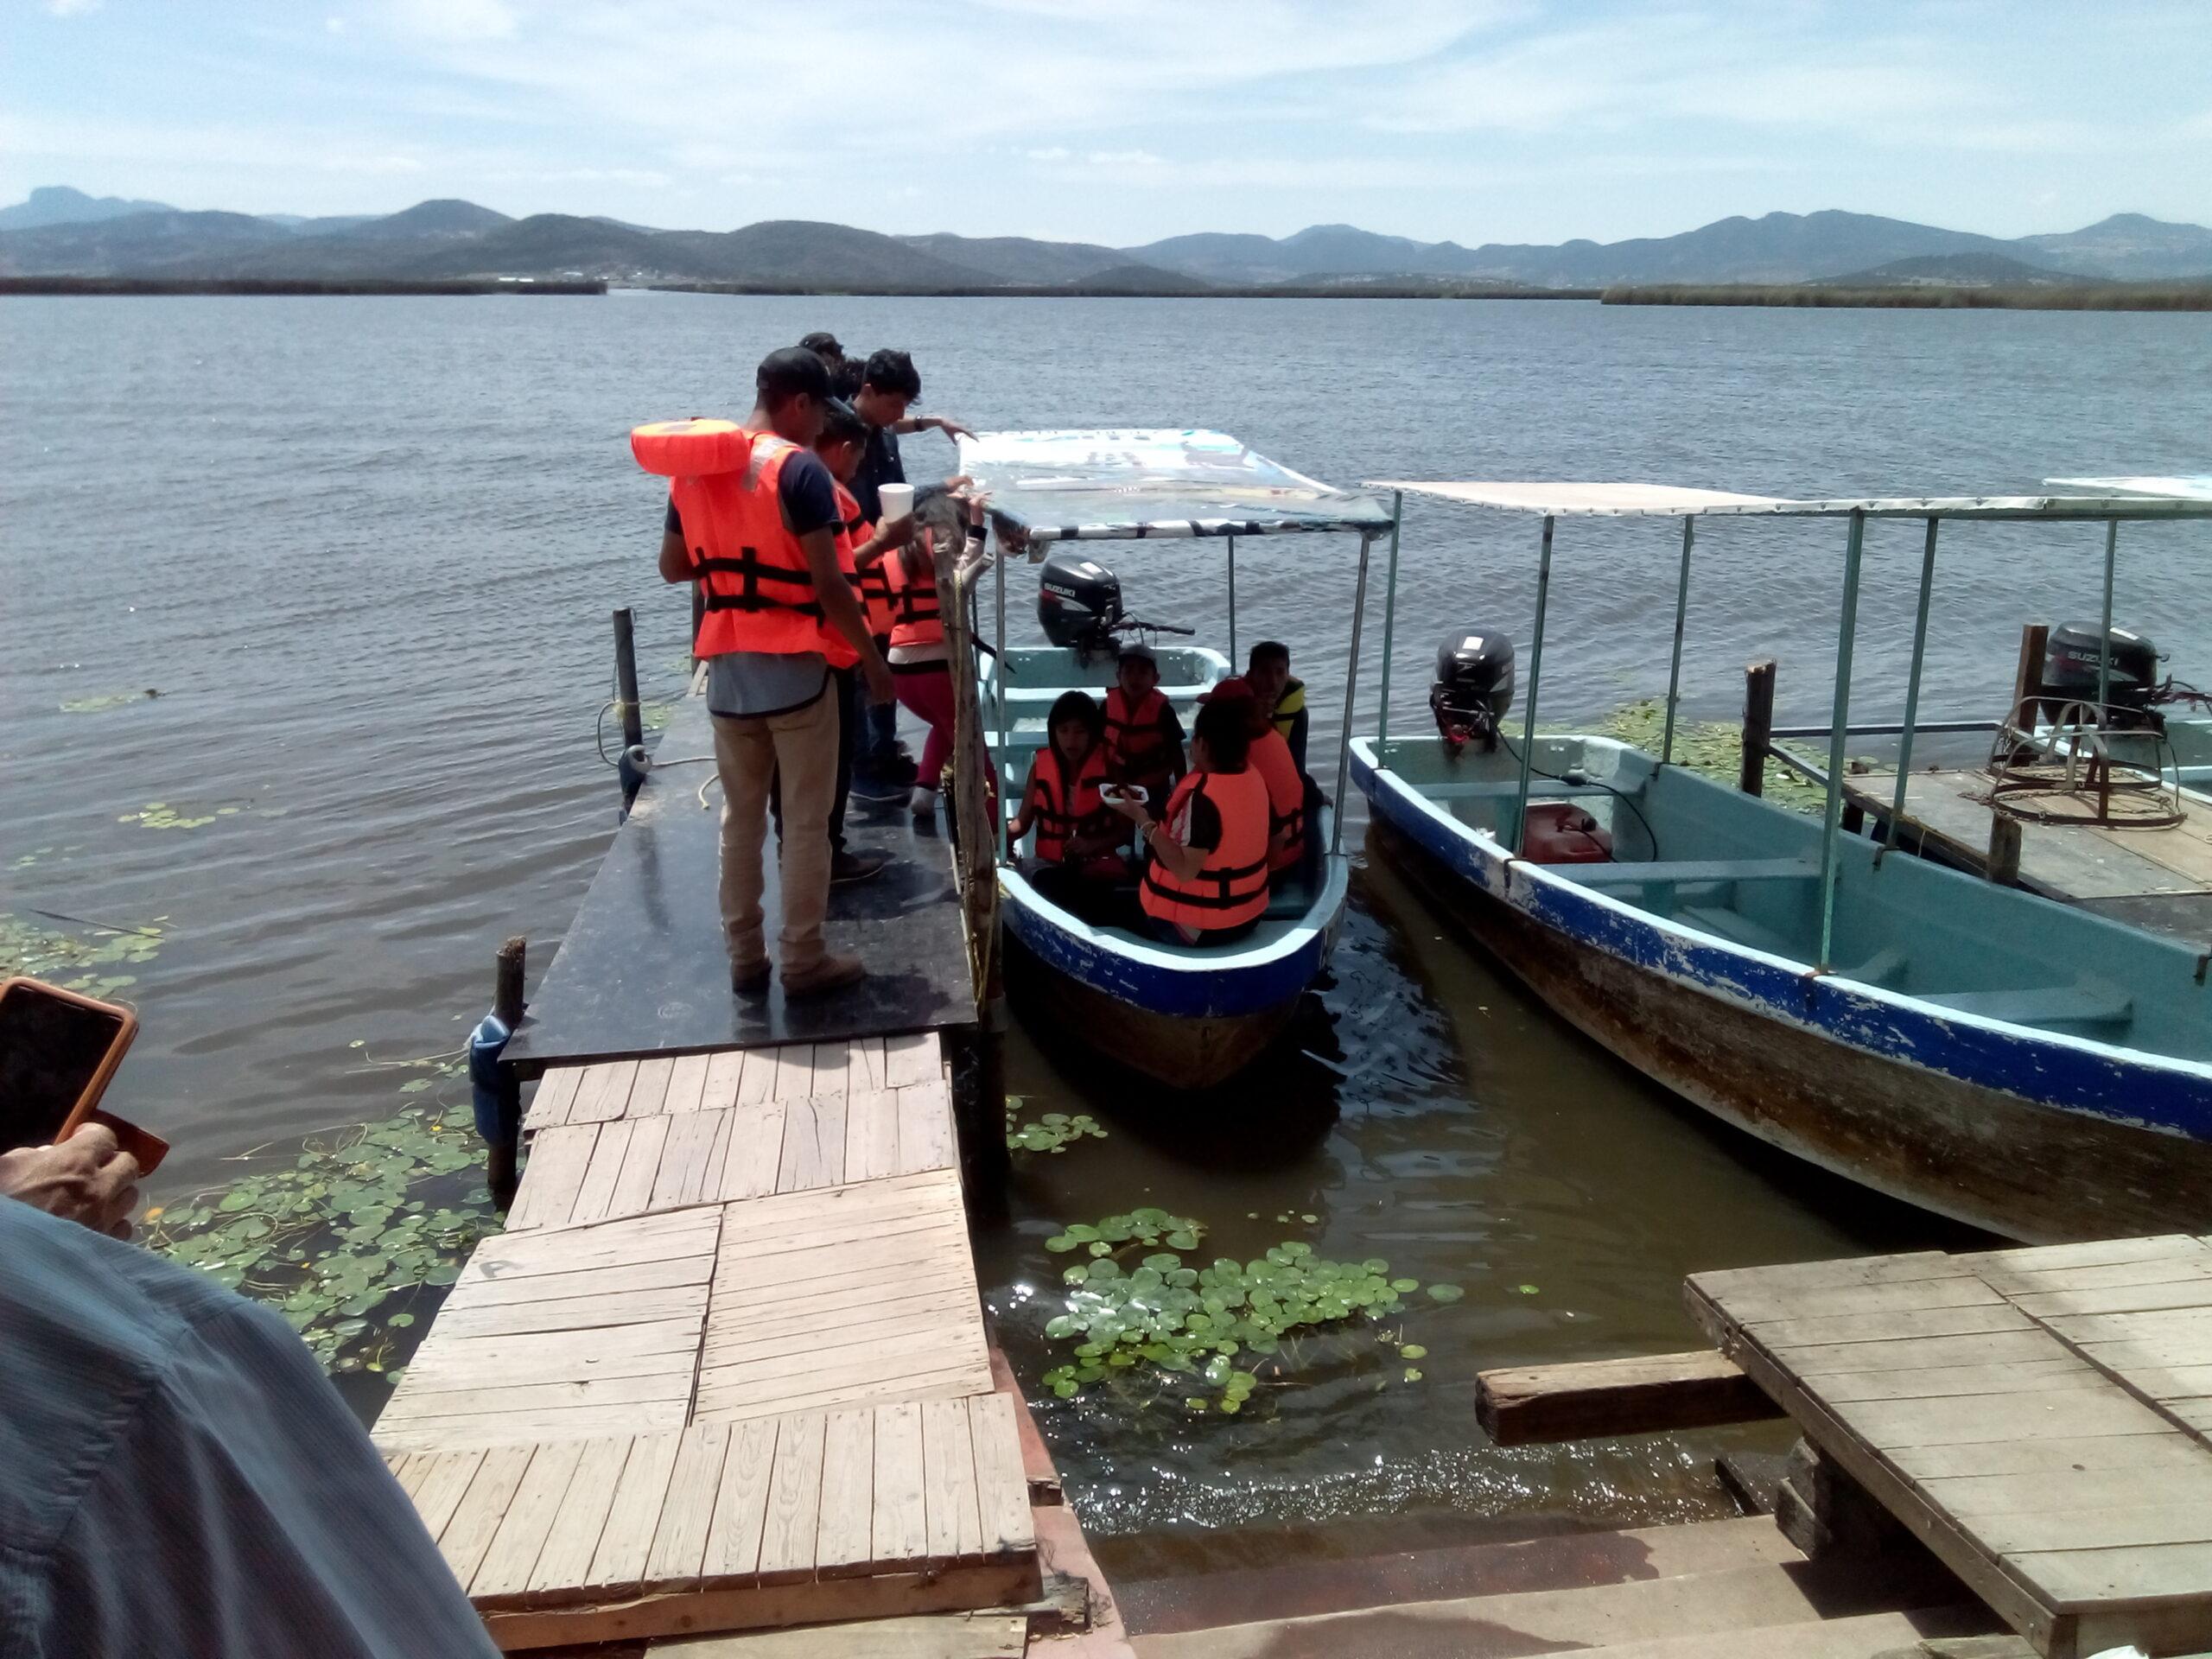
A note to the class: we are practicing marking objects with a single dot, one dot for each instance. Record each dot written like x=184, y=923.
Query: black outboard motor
x=1079, y=602
x=2069, y=671
x=1472, y=689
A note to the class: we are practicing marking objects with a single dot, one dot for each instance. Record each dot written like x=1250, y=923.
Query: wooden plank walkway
x=727, y=1370
x=2041, y=1418
x=2156, y=879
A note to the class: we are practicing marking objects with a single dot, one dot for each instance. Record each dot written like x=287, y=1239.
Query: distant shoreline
x=2178, y=296
x=256, y=285
x=1080, y=292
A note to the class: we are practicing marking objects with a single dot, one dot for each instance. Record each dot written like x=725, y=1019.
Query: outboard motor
x=2069, y=671
x=1472, y=689
x=1079, y=602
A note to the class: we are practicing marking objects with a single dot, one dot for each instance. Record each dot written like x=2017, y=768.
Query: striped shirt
x=178, y=1477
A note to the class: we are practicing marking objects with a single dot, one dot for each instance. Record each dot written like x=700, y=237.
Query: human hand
x=895, y=532
x=1136, y=811
x=88, y=1178
x=883, y=690
x=951, y=428
x=957, y=483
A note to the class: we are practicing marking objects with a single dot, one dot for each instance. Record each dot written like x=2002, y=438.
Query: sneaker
x=879, y=791
x=895, y=771
x=752, y=979
x=923, y=804
x=847, y=867
x=830, y=974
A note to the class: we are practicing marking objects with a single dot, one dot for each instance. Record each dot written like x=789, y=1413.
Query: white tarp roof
x=2198, y=487
x=1566, y=501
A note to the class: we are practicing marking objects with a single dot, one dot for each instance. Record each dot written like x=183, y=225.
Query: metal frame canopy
x=2114, y=500
x=1159, y=483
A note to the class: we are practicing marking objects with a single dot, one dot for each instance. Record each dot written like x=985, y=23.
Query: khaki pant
x=749, y=752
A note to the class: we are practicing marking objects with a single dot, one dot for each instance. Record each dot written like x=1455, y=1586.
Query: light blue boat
x=2023, y=1065
x=1190, y=1016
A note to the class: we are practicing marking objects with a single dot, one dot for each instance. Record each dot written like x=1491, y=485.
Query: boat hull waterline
x=2026, y=1135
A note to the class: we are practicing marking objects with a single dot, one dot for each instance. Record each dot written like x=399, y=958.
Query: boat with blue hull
x=2023, y=1065
x=1191, y=1016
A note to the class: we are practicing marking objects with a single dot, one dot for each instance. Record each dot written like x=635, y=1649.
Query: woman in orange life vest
x=1079, y=839
x=1269, y=756
x=920, y=673
x=1207, y=880
x=1144, y=741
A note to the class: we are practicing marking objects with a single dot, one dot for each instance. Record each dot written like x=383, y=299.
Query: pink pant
x=927, y=693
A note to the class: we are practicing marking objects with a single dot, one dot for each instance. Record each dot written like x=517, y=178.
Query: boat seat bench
x=2085, y=1002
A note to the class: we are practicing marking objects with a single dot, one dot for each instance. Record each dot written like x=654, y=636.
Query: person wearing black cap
x=777, y=606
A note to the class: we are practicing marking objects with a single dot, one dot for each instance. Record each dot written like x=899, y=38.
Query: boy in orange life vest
x=764, y=543
x=1144, y=741
x=1269, y=756
x=1207, y=880
x=1078, y=838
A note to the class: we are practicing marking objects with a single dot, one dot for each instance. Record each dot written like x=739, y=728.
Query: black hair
x=823, y=345
x=1075, y=705
x=845, y=379
x=890, y=371
x=791, y=372
x=1268, y=651
x=840, y=424
x=1225, y=724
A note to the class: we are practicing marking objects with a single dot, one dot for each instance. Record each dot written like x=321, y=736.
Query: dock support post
x=1389, y=619
x=1517, y=832
x=1912, y=694
x=499, y=1155
x=1351, y=691
x=1759, y=725
x=976, y=851
x=1839, y=733
x=625, y=698
x=1233, y=668
x=1681, y=613
x=2027, y=678
x=2004, y=866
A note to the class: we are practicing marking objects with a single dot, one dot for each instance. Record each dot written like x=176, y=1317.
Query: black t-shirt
x=879, y=465
x=808, y=492
x=1198, y=823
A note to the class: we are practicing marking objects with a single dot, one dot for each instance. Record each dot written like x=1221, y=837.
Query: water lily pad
x=1444, y=1292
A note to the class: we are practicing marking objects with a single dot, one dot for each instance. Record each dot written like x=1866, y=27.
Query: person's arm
x=842, y=611
x=1184, y=862
x=1023, y=817
x=675, y=556
x=951, y=428
x=88, y=1178
x=886, y=537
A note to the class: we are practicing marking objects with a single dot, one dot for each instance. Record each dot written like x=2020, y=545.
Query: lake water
x=366, y=549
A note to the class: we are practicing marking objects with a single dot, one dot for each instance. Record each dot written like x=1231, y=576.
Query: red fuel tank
x=1560, y=832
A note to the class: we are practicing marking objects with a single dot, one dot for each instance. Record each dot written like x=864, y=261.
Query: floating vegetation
x=106, y=701
x=1147, y=1228
x=1713, y=747
x=159, y=815
x=1225, y=1325
x=654, y=715
x=1053, y=1132
x=342, y=1235
x=75, y=963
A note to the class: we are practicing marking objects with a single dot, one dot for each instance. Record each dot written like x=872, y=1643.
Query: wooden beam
x=1758, y=724
x=1598, y=1399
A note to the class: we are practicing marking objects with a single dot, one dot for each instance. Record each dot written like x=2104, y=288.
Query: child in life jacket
x=1078, y=855
x=1144, y=740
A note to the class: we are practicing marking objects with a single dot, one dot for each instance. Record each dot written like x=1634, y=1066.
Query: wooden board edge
x=1645, y=1393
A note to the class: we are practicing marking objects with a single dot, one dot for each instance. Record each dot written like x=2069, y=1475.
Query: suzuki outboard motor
x=1079, y=602
x=2069, y=671
x=1473, y=688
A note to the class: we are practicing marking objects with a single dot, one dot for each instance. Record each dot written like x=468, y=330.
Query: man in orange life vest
x=765, y=544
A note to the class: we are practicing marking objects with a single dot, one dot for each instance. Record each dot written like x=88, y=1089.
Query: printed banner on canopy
x=1101, y=486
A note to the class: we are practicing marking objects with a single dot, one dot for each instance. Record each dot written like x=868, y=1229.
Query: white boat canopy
x=1599, y=500
x=2196, y=488
x=1121, y=485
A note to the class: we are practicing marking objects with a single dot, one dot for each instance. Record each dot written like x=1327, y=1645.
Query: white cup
x=897, y=501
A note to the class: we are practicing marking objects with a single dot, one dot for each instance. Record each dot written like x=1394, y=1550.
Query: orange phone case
x=148, y=1149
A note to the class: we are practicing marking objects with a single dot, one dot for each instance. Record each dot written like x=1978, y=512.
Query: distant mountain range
x=61, y=231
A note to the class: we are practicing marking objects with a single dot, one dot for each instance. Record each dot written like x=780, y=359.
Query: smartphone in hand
x=59, y=1051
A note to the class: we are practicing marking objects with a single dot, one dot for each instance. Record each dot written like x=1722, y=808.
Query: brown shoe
x=830, y=974
x=752, y=979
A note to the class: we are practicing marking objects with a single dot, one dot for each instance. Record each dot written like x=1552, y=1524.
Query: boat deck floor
x=2158, y=879
x=643, y=971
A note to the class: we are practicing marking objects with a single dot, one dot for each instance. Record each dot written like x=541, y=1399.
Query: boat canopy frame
x=1161, y=483
x=2116, y=501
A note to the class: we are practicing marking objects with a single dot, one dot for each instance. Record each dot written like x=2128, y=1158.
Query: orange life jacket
x=1060, y=811
x=915, y=619
x=1269, y=756
x=691, y=448
x=872, y=586
x=1232, y=888
x=760, y=591
x=1136, y=747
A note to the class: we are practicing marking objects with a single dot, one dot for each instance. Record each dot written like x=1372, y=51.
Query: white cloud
x=72, y=8
x=455, y=20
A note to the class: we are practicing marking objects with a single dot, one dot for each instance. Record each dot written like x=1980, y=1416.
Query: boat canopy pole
x=1515, y=831
x=1912, y=694
x=1389, y=615
x=1351, y=687
x=2104, y=639
x=1839, y=734
x=1232, y=605
x=999, y=666
x=1682, y=610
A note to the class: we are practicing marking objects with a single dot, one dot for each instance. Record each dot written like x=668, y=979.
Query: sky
x=1122, y=121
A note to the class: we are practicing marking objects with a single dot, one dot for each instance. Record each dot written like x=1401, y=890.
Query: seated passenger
x=1144, y=741
x=1206, y=882
x=1268, y=671
x=1078, y=836
x=1269, y=756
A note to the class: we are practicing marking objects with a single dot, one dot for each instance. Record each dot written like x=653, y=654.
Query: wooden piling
x=2027, y=678
x=2004, y=849
x=1758, y=724
x=499, y=1178
x=626, y=679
